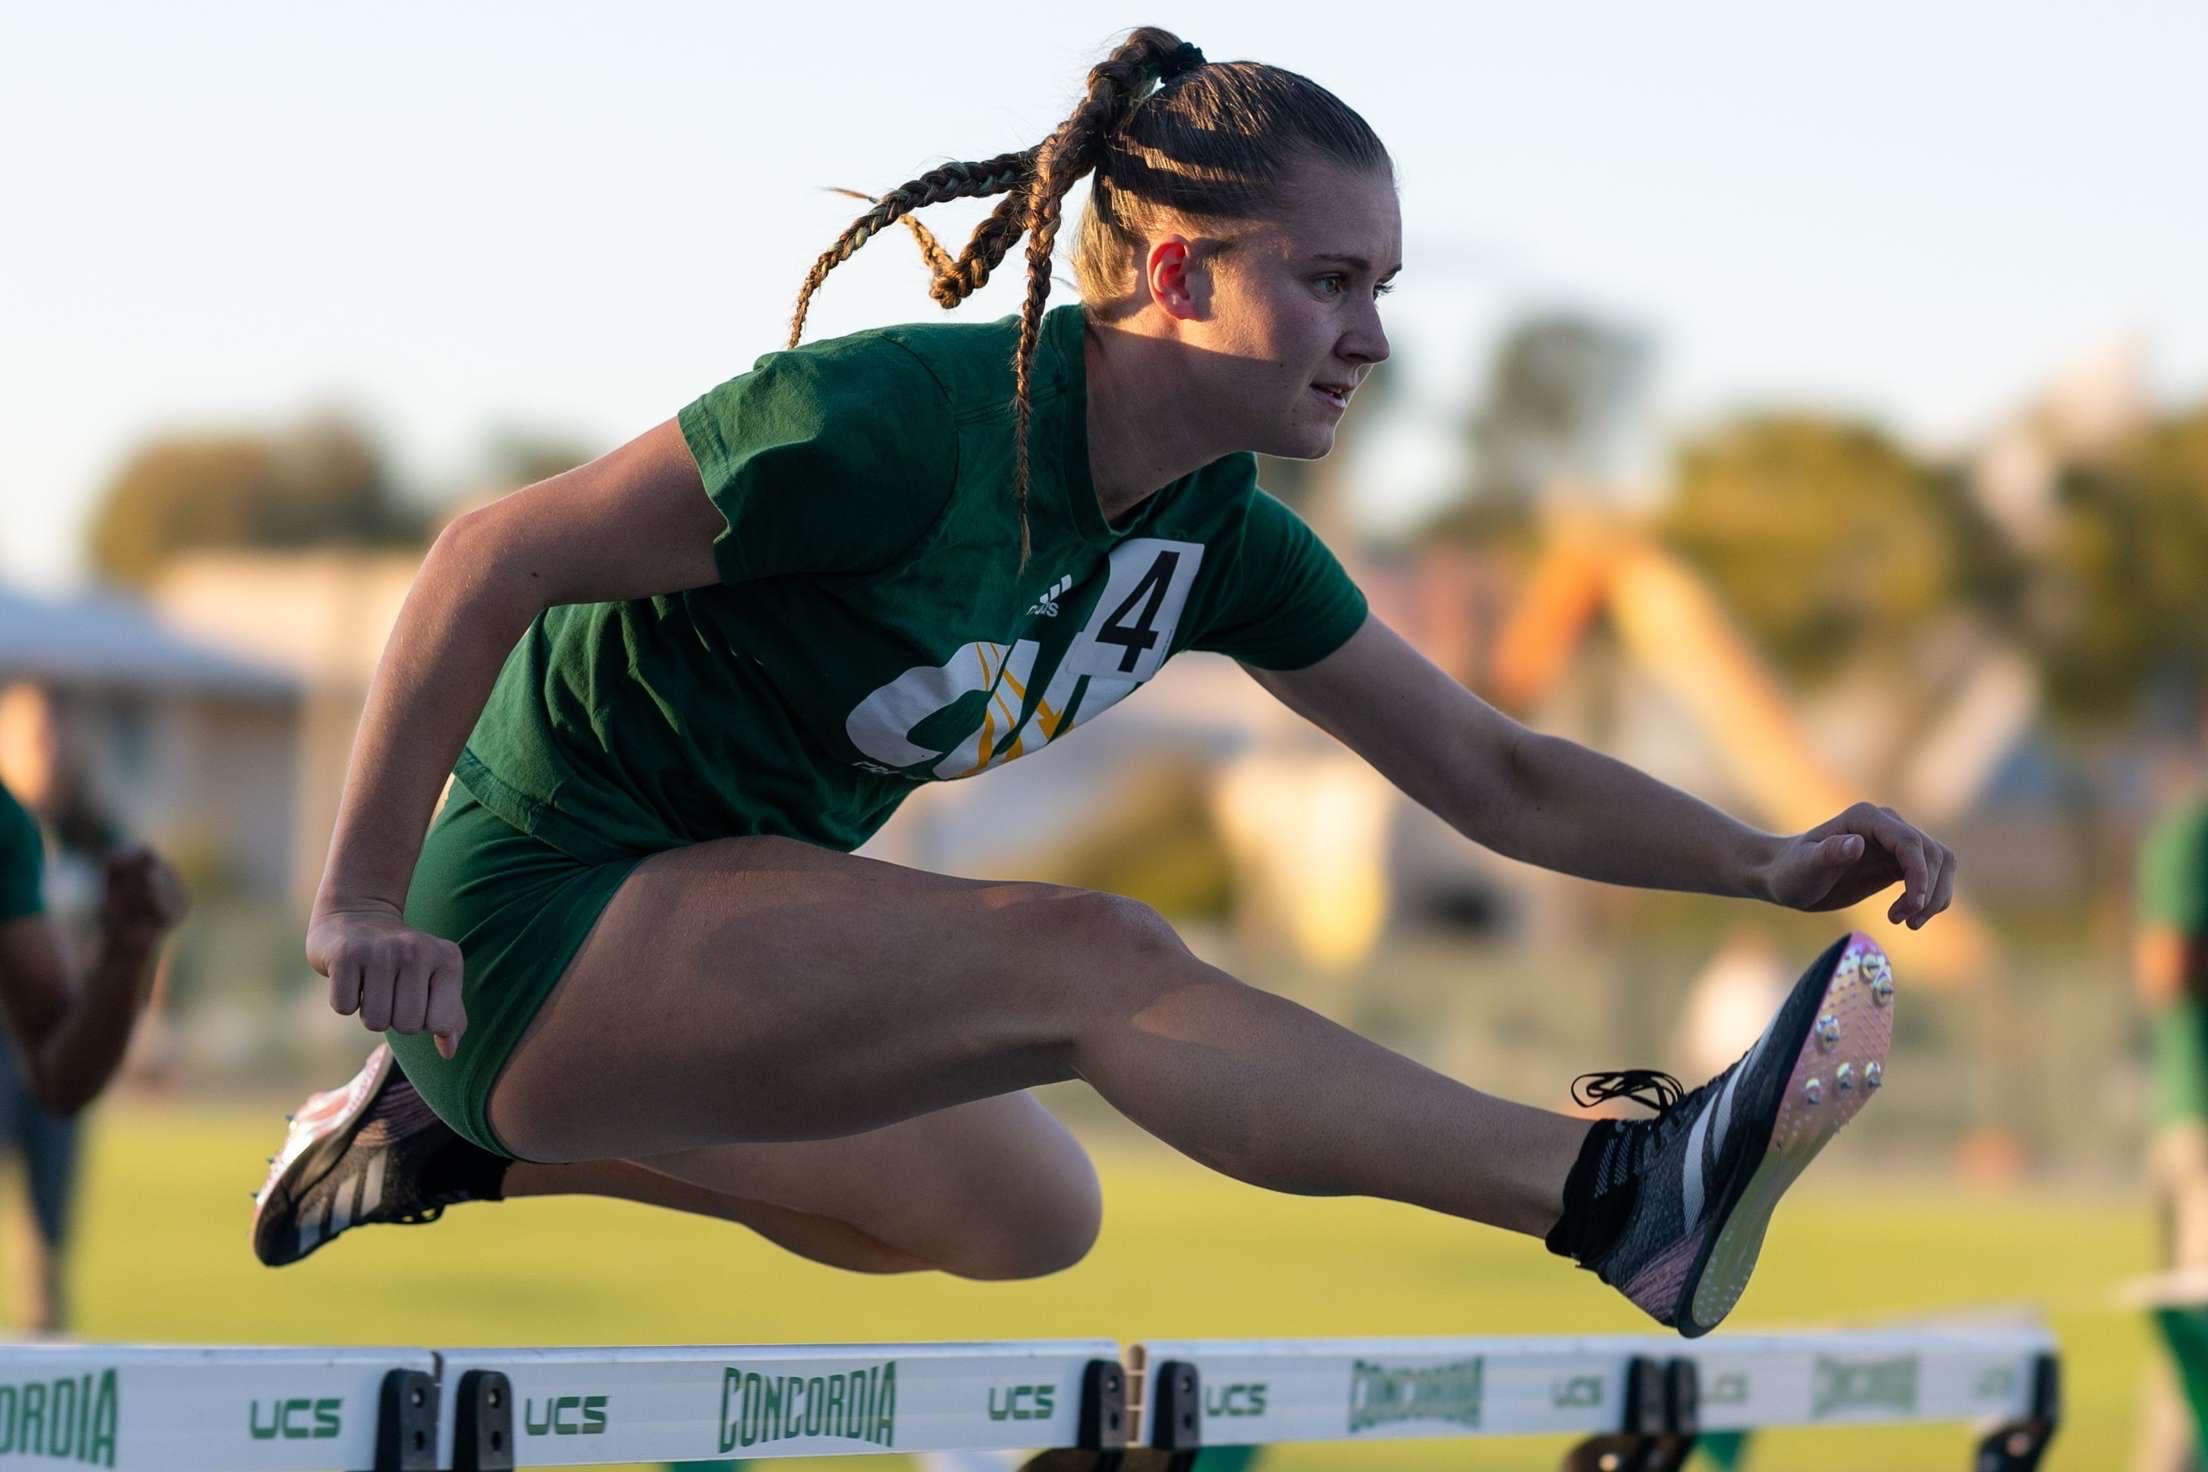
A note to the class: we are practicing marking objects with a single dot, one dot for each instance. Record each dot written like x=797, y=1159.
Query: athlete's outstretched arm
x=1555, y=803
x=632, y=523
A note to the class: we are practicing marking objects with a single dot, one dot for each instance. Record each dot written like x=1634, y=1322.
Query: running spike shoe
x=370, y=1152
x=1672, y=1210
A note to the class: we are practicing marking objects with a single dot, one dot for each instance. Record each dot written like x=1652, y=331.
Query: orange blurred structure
x=1674, y=628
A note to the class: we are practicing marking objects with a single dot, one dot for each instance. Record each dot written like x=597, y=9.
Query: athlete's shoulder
x=829, y=457
x=973, y=360
x=870, y=368
x=860, y=396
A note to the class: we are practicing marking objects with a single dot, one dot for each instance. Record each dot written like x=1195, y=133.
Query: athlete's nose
x=1366, y=343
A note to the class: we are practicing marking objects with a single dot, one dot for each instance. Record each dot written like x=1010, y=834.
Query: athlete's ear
x=1169, y=272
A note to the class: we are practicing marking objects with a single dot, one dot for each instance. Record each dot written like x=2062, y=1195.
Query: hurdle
x=579, y=1407
x=252, y=1410
x=1637, y=1403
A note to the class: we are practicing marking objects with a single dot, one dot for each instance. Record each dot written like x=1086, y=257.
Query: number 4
x=1140, y=638
x=1130, y=631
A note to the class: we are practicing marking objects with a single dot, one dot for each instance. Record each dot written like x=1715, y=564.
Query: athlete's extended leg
x=758, y=990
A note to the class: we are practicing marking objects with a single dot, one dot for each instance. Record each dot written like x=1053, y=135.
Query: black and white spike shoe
x=372, y=1152
x=1672, y=1210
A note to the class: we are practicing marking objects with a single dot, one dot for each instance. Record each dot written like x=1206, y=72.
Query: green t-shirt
x=872, y=628
x=22, y=860
x=2172, y=894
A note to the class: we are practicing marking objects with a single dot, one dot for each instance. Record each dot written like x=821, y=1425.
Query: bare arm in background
x=73, y=1036
x=630, y=524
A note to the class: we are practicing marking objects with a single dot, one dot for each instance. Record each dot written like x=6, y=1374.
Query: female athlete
x=635, y=956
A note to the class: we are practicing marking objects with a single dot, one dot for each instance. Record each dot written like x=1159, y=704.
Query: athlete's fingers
x=1907, y=847
x=344, y=984
x=378, y=975
x=410, y=994
x=1919, y=908
x=446, y=1019
x=1943, y=888
x=1836, y=851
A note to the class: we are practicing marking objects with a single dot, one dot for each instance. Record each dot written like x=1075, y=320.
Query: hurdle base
x=1662, y=1402
x=2017, y=1446
x=406, y=1423
x=483, y=1423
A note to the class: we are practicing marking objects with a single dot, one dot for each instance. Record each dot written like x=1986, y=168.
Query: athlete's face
x=1285, y=316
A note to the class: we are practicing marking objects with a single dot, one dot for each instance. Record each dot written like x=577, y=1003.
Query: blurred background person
x=82, y=918
x=2170, y=965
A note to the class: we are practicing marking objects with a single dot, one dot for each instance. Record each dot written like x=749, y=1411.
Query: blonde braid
x=931, y=250
x=963, y=180
x=1115, y=85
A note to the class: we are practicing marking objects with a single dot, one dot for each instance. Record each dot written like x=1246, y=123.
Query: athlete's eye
x=1333, y=283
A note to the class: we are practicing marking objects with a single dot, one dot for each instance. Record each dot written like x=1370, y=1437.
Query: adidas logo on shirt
x=1048, y=607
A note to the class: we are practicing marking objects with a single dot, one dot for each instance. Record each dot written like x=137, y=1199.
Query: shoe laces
x=1647, y=1087
x=1672, y=1102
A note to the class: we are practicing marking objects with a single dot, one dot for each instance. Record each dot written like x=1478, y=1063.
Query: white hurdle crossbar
x=583, y=1407
x=239, y=1410
x=1638, y=1402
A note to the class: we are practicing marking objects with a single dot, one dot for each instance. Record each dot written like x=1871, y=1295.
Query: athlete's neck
x=1142, y=437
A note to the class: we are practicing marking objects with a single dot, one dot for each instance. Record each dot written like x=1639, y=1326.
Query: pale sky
x=574, y=217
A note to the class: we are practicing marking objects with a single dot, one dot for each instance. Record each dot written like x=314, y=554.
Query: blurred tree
x=1823, y=537
x=1560, y=393
x=319, y=482
x=2118, y=601
x=1563, y=392
x=1160, y=843
x=521, y=457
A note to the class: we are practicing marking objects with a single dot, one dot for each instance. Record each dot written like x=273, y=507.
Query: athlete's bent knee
x=1112, y=924
x=1036, y=1238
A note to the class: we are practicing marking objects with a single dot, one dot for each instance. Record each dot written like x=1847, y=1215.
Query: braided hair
x=1166, y=135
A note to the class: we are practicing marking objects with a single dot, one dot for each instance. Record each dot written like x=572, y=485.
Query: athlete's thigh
x=762, y=990
x=975, y=1186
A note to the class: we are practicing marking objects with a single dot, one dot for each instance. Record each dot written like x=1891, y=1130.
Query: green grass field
x=163, y=1257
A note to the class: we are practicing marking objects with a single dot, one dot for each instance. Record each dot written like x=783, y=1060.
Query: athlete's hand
x=142, y=898
x=394, y=977
x=1859, y=853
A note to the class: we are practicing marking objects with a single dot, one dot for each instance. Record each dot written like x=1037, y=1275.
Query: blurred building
x=321, y=618
x=191, y=743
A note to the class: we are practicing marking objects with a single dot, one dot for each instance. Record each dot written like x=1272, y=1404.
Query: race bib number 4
x=1131, y=631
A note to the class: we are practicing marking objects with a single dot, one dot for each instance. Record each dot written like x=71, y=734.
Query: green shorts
x=519, y=910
